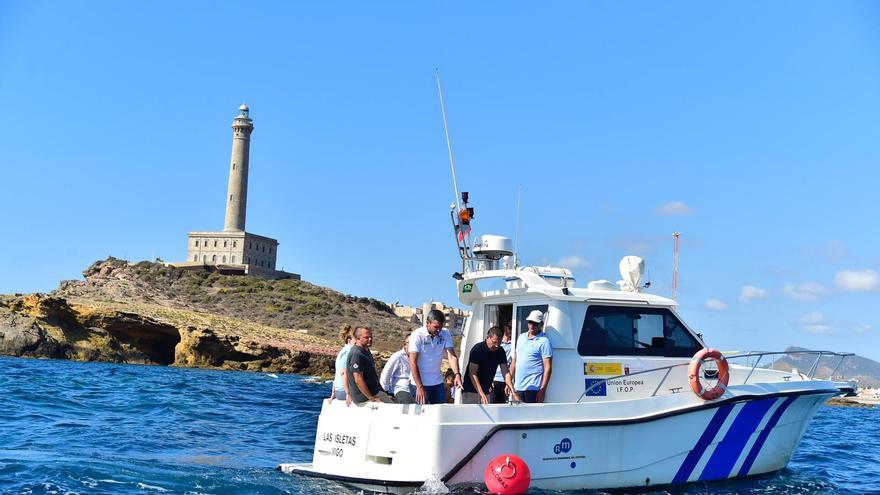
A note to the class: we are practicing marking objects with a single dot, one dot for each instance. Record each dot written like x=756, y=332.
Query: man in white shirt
x=427, y=345
x=395, y=378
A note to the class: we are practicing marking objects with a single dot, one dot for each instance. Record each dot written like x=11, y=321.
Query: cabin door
x=497, y=314
x=519, y=324
x=522, y=312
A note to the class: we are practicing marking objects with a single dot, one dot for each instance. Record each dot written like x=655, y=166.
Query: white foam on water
x=433, y=486
x=144, y=486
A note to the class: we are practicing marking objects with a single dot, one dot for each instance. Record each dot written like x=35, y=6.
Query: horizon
x=750, y=129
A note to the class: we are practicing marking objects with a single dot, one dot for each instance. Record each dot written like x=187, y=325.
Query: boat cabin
x=596, y=333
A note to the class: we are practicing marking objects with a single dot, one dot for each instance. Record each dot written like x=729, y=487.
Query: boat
x=624, y=408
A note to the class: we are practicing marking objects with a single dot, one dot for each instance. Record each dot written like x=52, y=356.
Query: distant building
x=416, y=315
x=234, y=250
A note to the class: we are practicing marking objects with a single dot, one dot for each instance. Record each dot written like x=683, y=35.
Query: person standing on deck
x=426, y=347
x=499, y=386
x=340, y=378
x=396, y=375
x=532, y=361
x=484, y=359
x=363, y=382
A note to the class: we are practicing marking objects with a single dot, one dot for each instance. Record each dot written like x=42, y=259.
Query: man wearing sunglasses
x=532, y=361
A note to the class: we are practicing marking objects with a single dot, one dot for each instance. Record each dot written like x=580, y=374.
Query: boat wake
x=432, y=486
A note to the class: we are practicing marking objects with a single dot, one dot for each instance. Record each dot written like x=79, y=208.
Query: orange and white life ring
x=694, y=374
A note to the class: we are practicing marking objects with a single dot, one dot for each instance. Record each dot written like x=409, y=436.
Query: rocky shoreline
x=125, y=313
x=41, y=326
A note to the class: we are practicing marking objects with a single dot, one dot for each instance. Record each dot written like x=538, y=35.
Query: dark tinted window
x=610, y=330
x=522, y=312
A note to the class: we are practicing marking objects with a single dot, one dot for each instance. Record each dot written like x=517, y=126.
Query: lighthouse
x=234, y=250
x=236, y=197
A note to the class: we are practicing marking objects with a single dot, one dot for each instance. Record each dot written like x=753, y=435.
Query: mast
x=675, y=237
x=461, y=215
x=448, y=141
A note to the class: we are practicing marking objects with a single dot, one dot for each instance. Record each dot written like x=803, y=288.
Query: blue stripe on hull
x=693, y=457
x=729, y=449
x=762, y=437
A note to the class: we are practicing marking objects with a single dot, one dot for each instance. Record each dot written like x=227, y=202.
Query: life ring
x=694, y=374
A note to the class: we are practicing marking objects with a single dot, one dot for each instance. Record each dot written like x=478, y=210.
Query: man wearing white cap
x=532, y=361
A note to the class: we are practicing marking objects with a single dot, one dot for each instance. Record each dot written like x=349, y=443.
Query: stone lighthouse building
x=234, y=250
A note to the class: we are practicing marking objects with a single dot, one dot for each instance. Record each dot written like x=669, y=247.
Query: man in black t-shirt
x=363, y=382
x=484, y=360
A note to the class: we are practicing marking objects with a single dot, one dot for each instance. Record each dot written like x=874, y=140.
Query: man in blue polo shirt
x=532, y=361
x=426, y=348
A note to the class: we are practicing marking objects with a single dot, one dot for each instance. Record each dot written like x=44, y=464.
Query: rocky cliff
x=150, y=313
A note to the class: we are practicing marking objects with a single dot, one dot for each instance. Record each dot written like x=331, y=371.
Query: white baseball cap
x=536, y=317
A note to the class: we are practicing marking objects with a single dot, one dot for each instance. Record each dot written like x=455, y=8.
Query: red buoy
x=507, y=474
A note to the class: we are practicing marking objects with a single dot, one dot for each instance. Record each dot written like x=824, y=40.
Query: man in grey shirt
x=363, y=382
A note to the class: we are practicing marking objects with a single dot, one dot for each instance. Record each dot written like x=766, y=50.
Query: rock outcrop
x=37, y=325
x=150, y=313
x=294, y=305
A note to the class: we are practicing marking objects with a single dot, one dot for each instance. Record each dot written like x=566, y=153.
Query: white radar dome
x=631, y=270
x=493, y=247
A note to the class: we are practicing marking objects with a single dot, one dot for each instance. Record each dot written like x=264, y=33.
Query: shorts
x=528, y=396
x=435, y=394
x=404, y=397
x=470, y=398
x=497, y=395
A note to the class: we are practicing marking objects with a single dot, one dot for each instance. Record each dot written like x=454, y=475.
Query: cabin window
x=522, y=312
x=627, y=331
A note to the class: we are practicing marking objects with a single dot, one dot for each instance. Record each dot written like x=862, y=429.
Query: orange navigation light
x=465, y=215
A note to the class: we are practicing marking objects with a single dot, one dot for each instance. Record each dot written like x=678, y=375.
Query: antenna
x=464, y=214
x=448, y=141
x=516, y=228
x=675, y=237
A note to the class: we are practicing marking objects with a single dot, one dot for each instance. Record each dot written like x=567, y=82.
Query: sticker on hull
x=610, y=369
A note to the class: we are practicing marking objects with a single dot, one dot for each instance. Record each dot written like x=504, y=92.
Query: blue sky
x=750, y=127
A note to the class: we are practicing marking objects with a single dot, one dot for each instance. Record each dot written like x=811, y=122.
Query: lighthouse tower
x=236, y=197
x=233, y=250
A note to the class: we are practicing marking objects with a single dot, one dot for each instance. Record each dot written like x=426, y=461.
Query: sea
x=82, y=428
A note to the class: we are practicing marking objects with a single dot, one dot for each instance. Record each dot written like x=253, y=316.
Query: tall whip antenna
x=516, y=229
x=448, y=141
x=675, y=237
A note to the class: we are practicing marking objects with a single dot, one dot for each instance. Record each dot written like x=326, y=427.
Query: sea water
x=68, y=427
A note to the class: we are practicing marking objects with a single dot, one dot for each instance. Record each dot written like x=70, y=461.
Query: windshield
x=627, y=331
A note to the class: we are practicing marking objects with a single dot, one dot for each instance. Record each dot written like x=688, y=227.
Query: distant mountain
x=867, y=371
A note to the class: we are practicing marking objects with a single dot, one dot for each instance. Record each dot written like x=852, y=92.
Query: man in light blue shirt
x=532, y=361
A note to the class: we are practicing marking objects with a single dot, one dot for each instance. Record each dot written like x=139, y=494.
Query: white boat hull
x=662, y=440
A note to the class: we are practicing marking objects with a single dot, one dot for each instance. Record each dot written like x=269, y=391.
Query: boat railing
x=758, y=357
